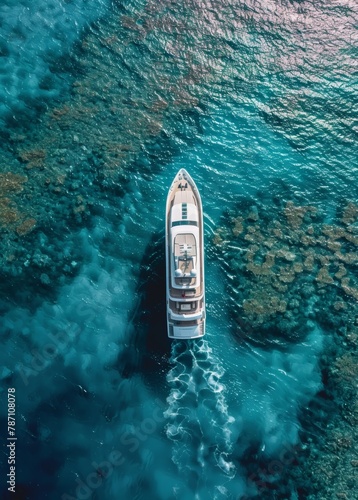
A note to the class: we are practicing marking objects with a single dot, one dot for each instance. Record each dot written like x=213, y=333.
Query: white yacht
x=184, y=244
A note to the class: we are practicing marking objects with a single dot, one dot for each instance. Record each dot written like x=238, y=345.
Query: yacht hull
x=184, y=244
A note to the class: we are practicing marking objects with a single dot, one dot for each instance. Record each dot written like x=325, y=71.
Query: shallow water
x=100, y=108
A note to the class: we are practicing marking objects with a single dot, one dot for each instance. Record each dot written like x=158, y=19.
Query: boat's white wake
x=198, y=419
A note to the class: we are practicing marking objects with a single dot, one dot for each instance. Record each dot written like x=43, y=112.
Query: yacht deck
x=183, y=192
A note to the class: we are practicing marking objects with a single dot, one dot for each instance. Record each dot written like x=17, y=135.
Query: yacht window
x=184, y=223
x=185, y=306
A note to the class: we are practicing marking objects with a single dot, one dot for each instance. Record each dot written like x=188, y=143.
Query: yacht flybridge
x=184, y=243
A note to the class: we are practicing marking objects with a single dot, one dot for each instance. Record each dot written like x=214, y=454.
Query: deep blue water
x=259, y=107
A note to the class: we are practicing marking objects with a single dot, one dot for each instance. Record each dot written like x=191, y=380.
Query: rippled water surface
x=101, y=104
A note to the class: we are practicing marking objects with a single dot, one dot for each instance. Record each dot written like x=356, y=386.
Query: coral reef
x=10, y=185
x=83, y=148
x=34, y=158
x=287, y=269
x=346, y=368
x=330, y=462
x=26, y=227
x=350, y=213
x=280, y=259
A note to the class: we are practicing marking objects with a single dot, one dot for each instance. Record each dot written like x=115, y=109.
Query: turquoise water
x=100, y=109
